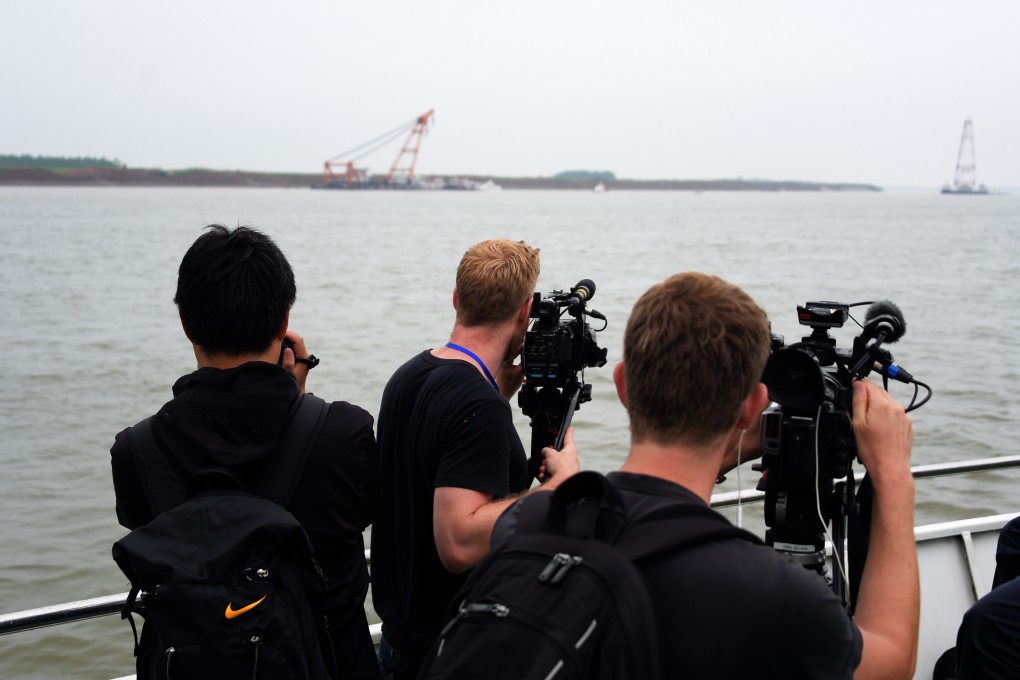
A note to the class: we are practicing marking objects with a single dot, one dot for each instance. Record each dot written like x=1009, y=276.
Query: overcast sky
x=861, y=91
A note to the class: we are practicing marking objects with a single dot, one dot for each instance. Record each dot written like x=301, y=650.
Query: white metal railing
x=81, y=610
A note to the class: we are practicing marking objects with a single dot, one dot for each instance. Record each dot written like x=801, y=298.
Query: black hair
x=234, y=289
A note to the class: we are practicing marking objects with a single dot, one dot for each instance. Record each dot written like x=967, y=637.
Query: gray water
x=92, y=342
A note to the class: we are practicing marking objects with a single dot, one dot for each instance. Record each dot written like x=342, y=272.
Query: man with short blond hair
x=492, y=278
x=451, y=459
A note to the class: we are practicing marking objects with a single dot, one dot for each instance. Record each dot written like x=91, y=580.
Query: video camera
x=806, y=437
x=555, y=351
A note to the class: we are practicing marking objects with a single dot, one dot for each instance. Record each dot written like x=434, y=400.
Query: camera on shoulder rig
x=556, y=350
x=807, y=440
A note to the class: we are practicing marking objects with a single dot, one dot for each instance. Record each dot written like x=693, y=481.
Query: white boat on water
x=956, y=561
x=488, y=185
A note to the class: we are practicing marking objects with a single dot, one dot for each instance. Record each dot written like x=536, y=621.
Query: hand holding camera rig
x=807, y=439
x=555, y=351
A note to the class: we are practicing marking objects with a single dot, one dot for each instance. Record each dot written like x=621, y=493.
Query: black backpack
x=562, y=597
x=228, y=578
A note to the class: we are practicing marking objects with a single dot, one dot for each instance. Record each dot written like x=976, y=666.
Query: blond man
x=451, y=459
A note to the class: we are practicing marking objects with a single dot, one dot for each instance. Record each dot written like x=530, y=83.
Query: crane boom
x=411, y=146
x=343, y=173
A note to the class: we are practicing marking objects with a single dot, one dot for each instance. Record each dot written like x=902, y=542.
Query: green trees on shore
x=57, y=162
x=586, y=175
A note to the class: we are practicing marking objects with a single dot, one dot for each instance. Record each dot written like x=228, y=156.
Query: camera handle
x=568, y=416
x=549, y=423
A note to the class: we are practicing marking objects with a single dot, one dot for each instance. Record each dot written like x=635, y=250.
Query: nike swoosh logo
x=232, y=613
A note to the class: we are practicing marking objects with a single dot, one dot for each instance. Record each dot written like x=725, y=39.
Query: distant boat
x=488, y=186
x=965, y=181
x=600, y=188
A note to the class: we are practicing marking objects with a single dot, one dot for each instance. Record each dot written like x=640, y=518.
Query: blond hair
x=694, y=348
x=494, y=279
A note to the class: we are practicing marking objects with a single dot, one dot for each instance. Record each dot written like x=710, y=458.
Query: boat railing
x=82, y=610
x=731, y=498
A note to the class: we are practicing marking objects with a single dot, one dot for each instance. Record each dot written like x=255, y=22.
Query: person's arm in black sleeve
x=368, y=450
x=132, y=507
x=1007, y=554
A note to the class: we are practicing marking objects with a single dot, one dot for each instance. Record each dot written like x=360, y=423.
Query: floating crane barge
x=343, y=174
x=965, y=180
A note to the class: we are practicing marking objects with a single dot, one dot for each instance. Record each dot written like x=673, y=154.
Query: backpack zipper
x=476, y=608
x=500, y=611
x=257, y=641
x=526, y=621
x=558, y=566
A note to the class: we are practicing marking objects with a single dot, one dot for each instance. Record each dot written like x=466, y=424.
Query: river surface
x=92, y=343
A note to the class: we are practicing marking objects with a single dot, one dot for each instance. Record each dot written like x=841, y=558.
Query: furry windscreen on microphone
x=886, y=312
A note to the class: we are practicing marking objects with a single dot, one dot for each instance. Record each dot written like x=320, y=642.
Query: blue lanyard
x=481, y=363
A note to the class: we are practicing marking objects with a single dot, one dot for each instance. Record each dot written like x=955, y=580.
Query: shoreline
x=154, y=177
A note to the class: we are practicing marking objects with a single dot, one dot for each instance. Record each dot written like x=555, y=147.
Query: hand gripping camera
x=555, y=351
x=806, y=437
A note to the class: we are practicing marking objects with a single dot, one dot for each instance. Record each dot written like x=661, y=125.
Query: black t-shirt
x=733, y=609
x=440, y=424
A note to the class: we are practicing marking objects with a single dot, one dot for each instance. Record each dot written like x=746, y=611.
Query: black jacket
x=233, y=419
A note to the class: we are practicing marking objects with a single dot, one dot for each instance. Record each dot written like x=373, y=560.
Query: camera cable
x=740, y=487
x=836, y=550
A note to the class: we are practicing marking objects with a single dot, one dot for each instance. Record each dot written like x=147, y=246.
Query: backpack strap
x=677, y=527
x=128, y=610
x=214, y=478
x=285, y=467
x=587, y=506
x=279, y=480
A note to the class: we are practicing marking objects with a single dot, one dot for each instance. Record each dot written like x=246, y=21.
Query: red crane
x=352, y=177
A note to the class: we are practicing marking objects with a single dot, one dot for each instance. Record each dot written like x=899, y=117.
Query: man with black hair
x=235, y=290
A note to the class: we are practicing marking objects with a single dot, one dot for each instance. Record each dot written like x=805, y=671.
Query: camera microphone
x=884, y=321
x=582, y=291
x=585, y=289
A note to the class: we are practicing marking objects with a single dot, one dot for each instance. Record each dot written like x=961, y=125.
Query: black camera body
x=810, y=385
x=555, y=351
x=807, y=439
